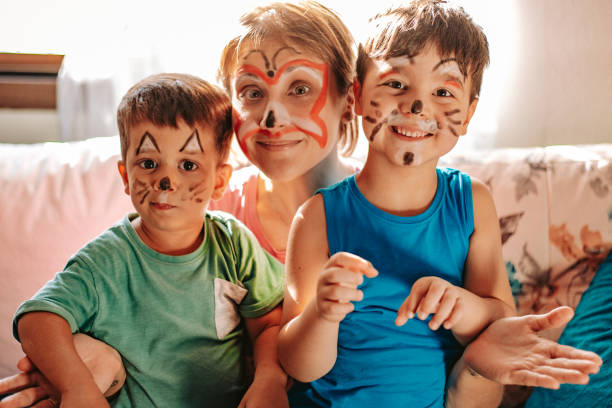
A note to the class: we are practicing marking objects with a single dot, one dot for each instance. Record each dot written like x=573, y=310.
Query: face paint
x=147, y=144
x=414, y=108
x=281, y=116
x=164, y=184
x=193, y=144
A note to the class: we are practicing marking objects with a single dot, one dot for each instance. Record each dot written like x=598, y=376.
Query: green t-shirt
x=176, y=320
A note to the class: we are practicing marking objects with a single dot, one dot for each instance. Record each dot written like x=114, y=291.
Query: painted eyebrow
x=195, y=135
x=146, y=136
x=387, y=73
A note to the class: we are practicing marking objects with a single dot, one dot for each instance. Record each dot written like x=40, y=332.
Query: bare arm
x=485, y=277
x=46, y=338
x=269, y=383
x=30, y=386
x=318, y=295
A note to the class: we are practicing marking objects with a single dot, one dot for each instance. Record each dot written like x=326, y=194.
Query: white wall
x=549, y=81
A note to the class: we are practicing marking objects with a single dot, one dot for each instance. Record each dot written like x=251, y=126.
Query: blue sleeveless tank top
x=378, y=363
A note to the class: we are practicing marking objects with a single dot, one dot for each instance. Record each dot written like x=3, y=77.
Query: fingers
x=338, y=282
x=435, y=296
x=561, y=351
x=555, y=318
x=25, y=365
x=563, y=375
x=583, y=366
x=23, y=398
x=352, y=262
x=532, y=379
x=15, y=382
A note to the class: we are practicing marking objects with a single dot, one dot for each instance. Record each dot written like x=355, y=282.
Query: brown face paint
x=141, y=188
x=193, y=139
x=374, y=104
x=270, y=120
x=270, y=71
x=147, y=138
x=376, y=129
x=194, y=191
x=417, y=107
x=452, y=121
x=408, y=157
x=370, y=119
x=164, y=184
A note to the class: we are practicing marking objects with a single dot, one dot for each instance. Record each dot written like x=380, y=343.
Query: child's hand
x=337, y=285
x=432, y=295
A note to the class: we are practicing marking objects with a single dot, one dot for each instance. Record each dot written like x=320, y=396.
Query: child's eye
x=148, y=164
x=188, y=165
x=443, y=92
x=395, y=85
x=300, y=90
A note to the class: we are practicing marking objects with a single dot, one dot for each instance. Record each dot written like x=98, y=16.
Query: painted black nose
x=164, y=184
x=417, y=107
x=270, y=120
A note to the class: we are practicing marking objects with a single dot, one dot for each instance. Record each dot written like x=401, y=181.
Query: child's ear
x=357, y=93
x=349, y=112
x=124, y=176
x=222, y=177
x=470, y=113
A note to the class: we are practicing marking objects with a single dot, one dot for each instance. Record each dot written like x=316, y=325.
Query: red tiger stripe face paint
x=287, y=110
x=312, y=124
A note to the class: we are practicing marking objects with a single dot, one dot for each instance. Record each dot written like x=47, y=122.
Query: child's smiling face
x=414, y=108
x=171, y=174
x=287, y=110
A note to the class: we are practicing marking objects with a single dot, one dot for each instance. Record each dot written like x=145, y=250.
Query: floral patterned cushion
x=555, y=213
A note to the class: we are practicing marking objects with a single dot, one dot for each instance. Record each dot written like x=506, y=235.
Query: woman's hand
x=510, y=351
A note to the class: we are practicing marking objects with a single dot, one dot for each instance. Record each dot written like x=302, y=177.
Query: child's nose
x=414, y=107
x=165, y=185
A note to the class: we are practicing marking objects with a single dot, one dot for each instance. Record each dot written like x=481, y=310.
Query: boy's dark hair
x=405, y=31
x=163, y=99
x=307, y=24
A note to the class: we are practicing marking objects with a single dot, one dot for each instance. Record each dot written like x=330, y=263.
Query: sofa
x=554, y=205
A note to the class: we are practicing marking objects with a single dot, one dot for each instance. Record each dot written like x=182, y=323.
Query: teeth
x=409, y=133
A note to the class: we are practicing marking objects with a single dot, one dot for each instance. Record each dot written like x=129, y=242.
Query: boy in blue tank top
x=427, y=239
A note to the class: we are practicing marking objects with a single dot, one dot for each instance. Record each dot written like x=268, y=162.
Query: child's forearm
x=266, y=356
x=308, y=345
x=47, y=340
x=478, y=313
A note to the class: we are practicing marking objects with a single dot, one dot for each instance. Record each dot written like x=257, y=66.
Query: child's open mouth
x=410, y=133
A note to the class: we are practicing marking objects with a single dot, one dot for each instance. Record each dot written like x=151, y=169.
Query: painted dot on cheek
x=408, y=157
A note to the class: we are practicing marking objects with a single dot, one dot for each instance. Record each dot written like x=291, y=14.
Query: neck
x=398, y=190
x=174, y=243
x=291, y=194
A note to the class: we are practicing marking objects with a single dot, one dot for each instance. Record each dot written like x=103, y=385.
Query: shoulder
x=110, y=244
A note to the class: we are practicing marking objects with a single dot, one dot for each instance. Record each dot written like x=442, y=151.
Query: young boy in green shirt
x=171, y=287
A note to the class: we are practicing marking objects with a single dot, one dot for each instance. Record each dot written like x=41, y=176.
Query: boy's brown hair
x=307, y=24
x=163, y=99
x=405, y=31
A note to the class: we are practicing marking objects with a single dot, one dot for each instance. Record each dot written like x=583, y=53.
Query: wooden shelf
x=29, y=80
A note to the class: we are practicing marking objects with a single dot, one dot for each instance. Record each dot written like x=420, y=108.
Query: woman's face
x=287, y=111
